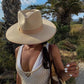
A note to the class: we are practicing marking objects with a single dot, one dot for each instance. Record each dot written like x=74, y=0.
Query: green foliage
x=1, y=23
x=61, y=45
x=82, y=6
x=64, y=8
x=7, y=60
x=40, y=7
x=10, y=10
x=7, y=82
x=60, y=8
x=74, y=39
x=80, y=51
x=80, y=21
x=74, y=34
x=77, y=37
x=69, y=5
x=71, y=81
x=66, y=45
x=61, y=34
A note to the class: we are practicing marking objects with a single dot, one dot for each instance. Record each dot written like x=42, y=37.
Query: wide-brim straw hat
x=31, y=28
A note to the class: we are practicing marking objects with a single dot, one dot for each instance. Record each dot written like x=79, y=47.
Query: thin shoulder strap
x=20, y=50
x=47, y=46
x=19, y=55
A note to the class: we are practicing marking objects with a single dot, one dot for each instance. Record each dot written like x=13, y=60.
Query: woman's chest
x=28, y=60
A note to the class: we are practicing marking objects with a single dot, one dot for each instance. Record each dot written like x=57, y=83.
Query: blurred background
x=67, y=15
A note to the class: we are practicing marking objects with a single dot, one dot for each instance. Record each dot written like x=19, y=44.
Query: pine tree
x=10, y=10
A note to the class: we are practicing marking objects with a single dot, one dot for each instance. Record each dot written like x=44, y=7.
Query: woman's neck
x=33, y=47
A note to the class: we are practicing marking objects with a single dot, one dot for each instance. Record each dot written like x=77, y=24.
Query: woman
x=32, y=58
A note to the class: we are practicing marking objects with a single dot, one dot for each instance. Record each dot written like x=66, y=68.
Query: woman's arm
x=60, y=67
x=57, y=59
x=18, y=79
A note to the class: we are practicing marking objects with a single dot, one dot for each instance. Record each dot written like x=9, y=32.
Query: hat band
x=31, y=31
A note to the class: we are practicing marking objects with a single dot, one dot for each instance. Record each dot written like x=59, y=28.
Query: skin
x=30, y=54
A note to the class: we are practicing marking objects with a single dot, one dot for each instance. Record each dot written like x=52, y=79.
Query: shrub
x=65, y=44
x=61, y=45
x=80, y=51
x=61, y=34
x=74, y=39
x=7, y=60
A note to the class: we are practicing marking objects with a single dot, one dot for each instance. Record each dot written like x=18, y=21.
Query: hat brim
x=14, y=35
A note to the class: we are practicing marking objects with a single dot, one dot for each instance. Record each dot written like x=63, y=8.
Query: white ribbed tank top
x=38, y=75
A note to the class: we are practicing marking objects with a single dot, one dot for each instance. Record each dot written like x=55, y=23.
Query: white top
x=38, y=75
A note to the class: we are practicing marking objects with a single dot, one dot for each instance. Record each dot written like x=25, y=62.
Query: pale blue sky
x=26, y=3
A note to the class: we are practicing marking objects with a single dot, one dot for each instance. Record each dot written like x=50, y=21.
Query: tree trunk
x=64, y=18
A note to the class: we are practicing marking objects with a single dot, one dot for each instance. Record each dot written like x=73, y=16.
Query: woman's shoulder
x=16, y=50
x=54, y=49
x=54, y=46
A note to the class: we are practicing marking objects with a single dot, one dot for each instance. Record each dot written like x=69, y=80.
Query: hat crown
x=30, y=28
x=29, y=19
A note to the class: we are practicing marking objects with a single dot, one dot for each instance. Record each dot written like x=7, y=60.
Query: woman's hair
x=46, y=57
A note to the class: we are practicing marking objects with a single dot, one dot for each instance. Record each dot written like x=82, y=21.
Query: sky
x=26, y=3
